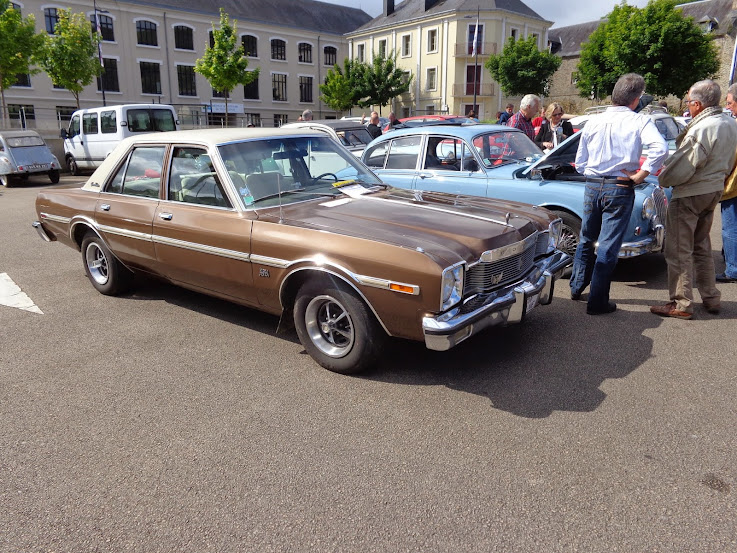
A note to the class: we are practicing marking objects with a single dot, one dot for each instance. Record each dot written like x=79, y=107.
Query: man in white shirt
x=609, y=156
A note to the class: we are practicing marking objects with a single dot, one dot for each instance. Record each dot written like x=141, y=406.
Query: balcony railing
x=465, y=49
x=482, y=89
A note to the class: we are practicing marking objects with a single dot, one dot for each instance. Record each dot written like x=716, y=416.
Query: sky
x=562, y=12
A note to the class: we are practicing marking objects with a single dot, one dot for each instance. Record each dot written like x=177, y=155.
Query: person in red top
x=529, y=107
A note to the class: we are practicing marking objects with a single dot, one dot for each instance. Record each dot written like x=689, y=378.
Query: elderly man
x=729, y=209
x=307, y=115
x=373, y=127
x=609, y=156
x=706, y=154
x=529, y=107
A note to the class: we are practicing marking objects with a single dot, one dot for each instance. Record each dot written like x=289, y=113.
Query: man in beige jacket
x=706, y=154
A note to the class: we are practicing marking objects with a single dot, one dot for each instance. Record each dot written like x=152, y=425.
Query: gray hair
x=707, y=92
x=733, y=91
x=529, y=100
x=307, y=114
x=629, y=88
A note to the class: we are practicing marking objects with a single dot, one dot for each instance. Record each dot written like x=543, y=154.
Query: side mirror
x=63, y=133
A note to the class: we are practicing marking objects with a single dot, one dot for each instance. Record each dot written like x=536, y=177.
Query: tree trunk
x=4, y=115
x=226, y=107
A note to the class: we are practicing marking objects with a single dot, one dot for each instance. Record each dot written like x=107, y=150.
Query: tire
x=54, y=176
x=569, y=237
x=73, y=167
x=336, y=327
x=106, y=273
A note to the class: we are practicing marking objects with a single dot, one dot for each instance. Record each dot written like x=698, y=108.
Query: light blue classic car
x=502, y=162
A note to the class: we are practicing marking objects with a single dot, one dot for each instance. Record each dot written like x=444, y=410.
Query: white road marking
x=12, y=296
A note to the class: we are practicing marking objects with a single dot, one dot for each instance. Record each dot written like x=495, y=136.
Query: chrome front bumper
x=653, y=243
x=505, y=306
x=42, y=232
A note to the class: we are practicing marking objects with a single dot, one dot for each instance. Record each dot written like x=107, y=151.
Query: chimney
x=430, y=3
x=389, y=7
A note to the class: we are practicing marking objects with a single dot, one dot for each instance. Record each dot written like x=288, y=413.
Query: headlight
x=648, y=208
x=554, y=230
x=451, y=287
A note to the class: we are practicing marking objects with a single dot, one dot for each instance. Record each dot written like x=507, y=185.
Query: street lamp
x=99, y=49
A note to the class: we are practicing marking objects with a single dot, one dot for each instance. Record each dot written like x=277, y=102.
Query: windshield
x=24, y=141
x=667, y=127
x=294, y=168
x=498, y=147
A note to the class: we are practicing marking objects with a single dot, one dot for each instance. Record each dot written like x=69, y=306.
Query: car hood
x=564, y=154
x=447, y=227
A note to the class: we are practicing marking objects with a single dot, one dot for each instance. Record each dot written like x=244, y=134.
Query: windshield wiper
x=295, y=191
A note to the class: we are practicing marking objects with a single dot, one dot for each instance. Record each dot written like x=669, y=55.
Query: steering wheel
x=318, y=177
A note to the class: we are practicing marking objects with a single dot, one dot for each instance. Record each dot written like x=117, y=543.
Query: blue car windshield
x=495, y=148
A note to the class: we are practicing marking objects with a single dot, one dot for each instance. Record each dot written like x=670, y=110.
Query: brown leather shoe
x=714, y=309
x=670, y=310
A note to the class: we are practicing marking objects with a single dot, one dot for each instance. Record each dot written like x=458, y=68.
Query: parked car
x=289, y=222
x=94, y=132
x=502, y=162
x=24, y=153
x=351, y=134
x=365, y=120
x=421, y=120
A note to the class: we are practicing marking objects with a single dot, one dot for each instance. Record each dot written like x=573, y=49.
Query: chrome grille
x=660, y=204
x=485, y=276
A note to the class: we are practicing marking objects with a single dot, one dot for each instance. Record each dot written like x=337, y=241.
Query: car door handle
x=425, y=175
x=166, y=216
x=105, y=207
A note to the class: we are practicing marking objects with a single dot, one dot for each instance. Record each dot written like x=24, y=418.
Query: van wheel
x=73, y=167
x=54, y=176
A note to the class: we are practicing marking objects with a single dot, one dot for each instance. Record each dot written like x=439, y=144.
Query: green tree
x=383, y=81
x=69, y=56
x=667, y=48
x=224, y=64
x=523, y=69
x=18, y=45
x=344, y=86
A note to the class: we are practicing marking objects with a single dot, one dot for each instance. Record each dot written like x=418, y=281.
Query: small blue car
x=502, y=162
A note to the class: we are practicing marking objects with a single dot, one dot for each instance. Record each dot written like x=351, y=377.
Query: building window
x=430, y=110
x=431, y=79
x=280, y=119
x=382, y=48
x=16, y=7
x=331, y=55
x=473, y=75
x=305, y=52
x=22, y=113
x=278, y=49
x=183, y=38
x=250, y=46
x=305, y=89
x=146, y=33
x=279, y=87
x=514, y=33
x=106, y=26
x=536, y=37
x=150, y=77
x=361, y=52
x=432, y=40
x=186, y=80
x=51, y=17
x=253, y=119
x=250, y=91
x=406, y=46
x=64, y=113
x=109, y=77
x=574, y=78
x=23, y=79
x=220, y=93
x=212, y=39
x=479, y=39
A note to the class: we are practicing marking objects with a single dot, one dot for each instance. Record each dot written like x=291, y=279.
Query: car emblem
x=263, y=272
x=496, y=279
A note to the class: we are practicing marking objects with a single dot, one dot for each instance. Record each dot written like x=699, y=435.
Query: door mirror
x=63, y=133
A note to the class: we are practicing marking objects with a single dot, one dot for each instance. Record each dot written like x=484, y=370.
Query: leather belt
x=610, y=180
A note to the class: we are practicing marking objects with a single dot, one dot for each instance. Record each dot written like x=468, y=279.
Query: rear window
x=151, y=120
x=24, y=141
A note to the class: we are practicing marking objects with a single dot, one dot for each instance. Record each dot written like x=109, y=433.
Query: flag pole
x=476, y=63
x=99, y=52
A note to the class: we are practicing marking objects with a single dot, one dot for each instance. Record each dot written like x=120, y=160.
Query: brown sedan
x=289, y=222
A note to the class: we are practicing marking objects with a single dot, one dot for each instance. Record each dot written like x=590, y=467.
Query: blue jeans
x=607, y=211
x=729, y=236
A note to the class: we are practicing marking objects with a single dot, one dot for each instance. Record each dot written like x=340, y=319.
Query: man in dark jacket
x=373, y=127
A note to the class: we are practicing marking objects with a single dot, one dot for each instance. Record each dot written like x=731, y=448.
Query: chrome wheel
x=568, y=240
x=329, y=326
x=97, y=263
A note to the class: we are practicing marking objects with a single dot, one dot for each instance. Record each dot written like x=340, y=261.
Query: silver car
x=24, y=153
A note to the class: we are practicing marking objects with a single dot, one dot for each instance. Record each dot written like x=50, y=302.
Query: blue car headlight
x=648, y=208
x=451, y=291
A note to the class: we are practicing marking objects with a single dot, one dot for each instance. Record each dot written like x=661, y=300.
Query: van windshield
x=150, y=120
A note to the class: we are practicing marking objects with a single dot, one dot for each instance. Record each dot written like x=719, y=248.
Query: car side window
x=89, y=123
x=403, y=153
x=192, y=178
x=376, y=155
x=443, y=153
x=74, y=126
x=140, y=175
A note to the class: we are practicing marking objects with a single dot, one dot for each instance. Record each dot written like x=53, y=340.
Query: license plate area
x=532, y=302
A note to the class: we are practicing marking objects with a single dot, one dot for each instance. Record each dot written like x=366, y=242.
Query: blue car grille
x=485, y=276
x=660, y=204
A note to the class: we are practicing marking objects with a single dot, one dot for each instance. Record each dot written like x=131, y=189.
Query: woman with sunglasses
x=553, y=129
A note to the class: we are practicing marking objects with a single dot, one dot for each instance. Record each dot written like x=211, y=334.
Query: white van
x=94, y=132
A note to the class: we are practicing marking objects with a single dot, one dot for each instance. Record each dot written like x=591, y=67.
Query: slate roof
x=566, y=41
x=409, y=10
x=299, y=14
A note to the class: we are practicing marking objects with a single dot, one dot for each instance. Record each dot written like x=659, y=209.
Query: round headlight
x=648, y=208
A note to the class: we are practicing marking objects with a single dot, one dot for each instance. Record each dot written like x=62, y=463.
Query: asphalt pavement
x=168, y=421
